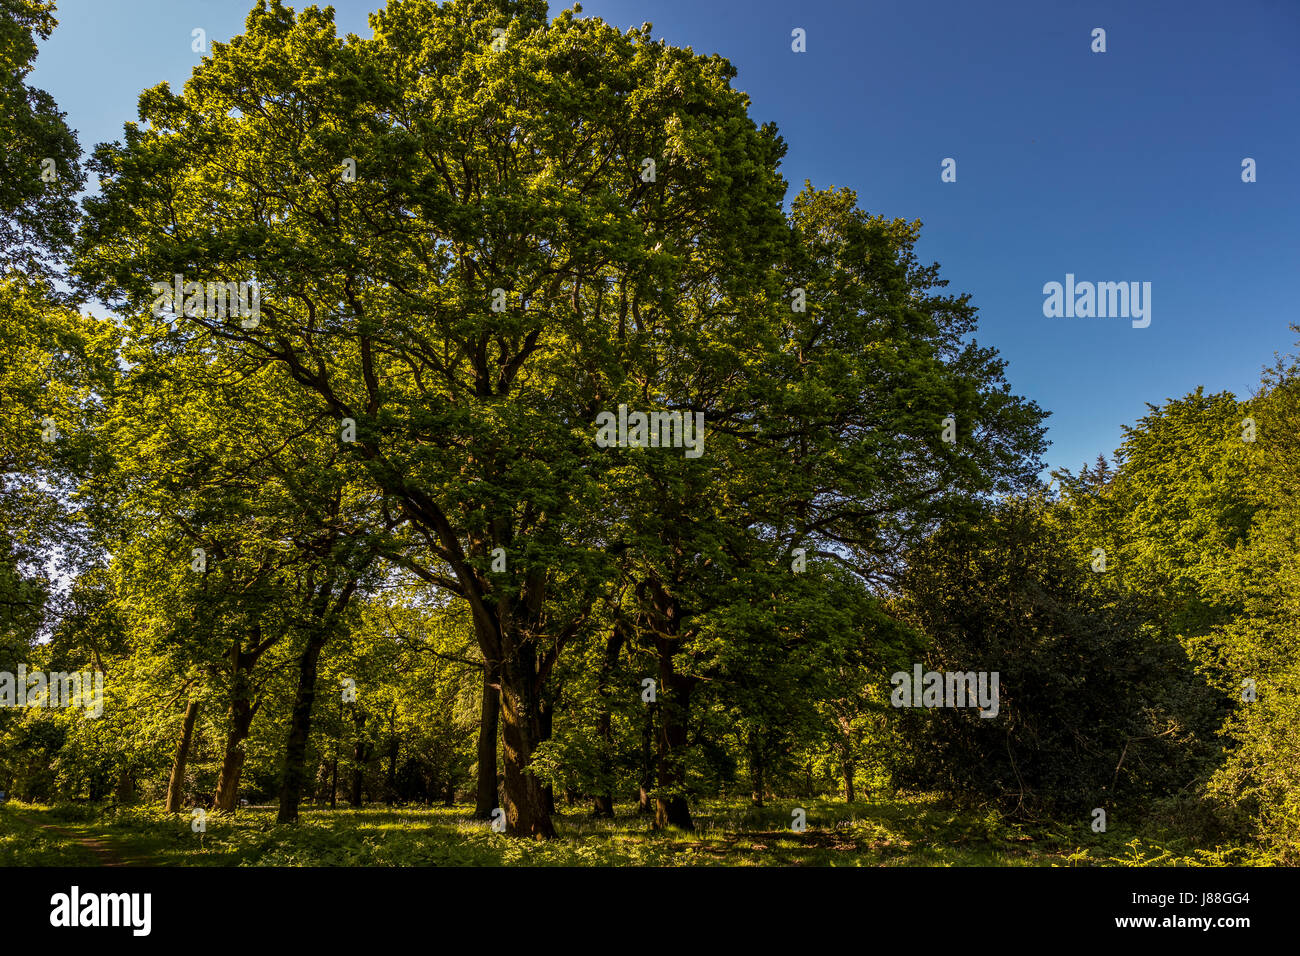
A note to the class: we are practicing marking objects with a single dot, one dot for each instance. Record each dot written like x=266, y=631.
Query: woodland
x=363, y=586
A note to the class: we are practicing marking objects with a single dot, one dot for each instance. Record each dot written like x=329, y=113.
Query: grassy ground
x=914, y=832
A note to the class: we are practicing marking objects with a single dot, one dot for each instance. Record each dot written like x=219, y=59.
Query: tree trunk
x=390, y=788
x=603, y=804
x=321, y=779
x=485, y=796
x=295, y=749
x=520, y=687
x=334, y=779
x=671, y=809
x=359, y=757
x=241, y=713
x=756, y=781
x=526, y=813
x=848, y=761
x=176, y=783
x=232, y=763
x=545, y=721
x=644, y=805
x=126, y=787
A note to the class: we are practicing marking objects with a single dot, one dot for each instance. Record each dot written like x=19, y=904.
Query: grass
x=918, y=831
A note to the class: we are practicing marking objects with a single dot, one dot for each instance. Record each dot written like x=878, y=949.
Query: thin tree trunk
x=334, y=779
x=756, y=781
x=545, y=721
x=848, y=761
x=176, y=783
x=603, y=803
x=644, y=805
x=391, y=786
x=359, y=757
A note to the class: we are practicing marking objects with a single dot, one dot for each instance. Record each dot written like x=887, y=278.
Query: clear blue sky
x=1115, y=166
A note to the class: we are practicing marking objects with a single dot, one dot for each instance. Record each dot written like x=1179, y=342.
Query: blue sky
x=1115, y=166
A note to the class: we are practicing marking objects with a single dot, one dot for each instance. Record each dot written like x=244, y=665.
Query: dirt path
x=104, y=851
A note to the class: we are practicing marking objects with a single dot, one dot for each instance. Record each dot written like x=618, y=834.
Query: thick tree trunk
x=176, y=783
x=295, y=748
x=241, y=713
x=126, y=788
x=232, y=763
x=671, y=809
x=663, y=617
x=849, y=793
x=526, y=813
x=508, y=625
x=485, y=796
x=520, y=695
x=357, y=792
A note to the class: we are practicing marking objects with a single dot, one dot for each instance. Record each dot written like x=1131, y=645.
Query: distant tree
x=1095, y=706
x=1255, y=657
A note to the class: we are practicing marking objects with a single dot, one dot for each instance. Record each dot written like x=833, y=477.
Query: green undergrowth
x=917, y=831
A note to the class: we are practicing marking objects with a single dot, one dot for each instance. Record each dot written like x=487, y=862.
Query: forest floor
x=914, y=831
